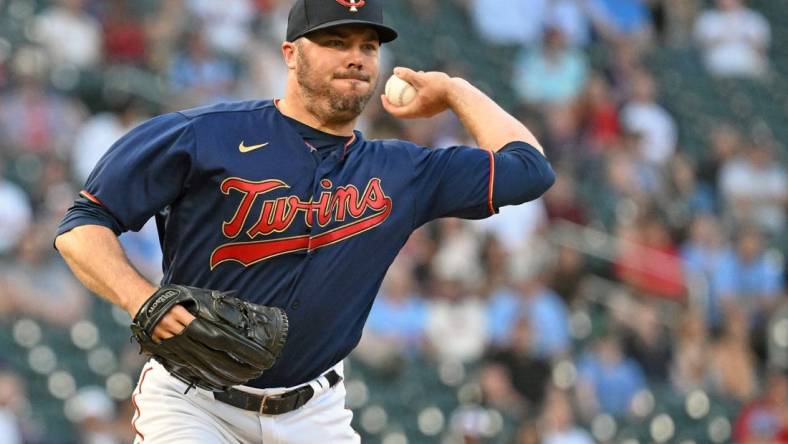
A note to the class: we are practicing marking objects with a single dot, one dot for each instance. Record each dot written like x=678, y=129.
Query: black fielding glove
x=230, y=342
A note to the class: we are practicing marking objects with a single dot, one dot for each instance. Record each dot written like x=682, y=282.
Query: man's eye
x=334, y=43
x=370, y=47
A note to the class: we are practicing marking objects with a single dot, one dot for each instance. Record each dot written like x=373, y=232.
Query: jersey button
x=295, y=304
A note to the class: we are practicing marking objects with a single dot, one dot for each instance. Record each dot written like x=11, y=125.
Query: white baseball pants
x=164, y=414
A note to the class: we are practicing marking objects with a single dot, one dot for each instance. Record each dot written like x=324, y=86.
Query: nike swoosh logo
x=245, y=149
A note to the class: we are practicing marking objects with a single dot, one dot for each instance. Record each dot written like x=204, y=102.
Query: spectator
x=40, y=285
x=623, y=69
x=765, y=419
x=143, y=249
x=199, y=76
x=15, y=214
x=226, y=24
x=547, y=317
x=34, y=119
x=558, y=423
x=101, y=131
x=570, y=17
x=509, y=22
x=504, y=308
x=13, y=404
x=457, y=257
x=684, y=197
x=397, y=322
x=643, y=115
x=456, y=323
x=679, y=19
x=494, y=260
x=563, y=136
x=266, y=75
x=732, y=364
x=70, y=35
x=554, y=73
x=567, y=274
x=734, y=40
x=748, y=278
x=93, y=412
x=689, y=367
x=517, y=227
x=608, y=380
x=497, y=391
x=702, y=254
x=599, y=115
x=629, y=176
x=523, y=369
x=649, y=262
x=646, y=339
x=561, y=201
x=621, y=20
x=755, y=188
x=164, y=27
x=725, y=144
x=123, y=34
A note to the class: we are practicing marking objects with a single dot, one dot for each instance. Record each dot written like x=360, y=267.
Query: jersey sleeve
x=472, y=183
x=144, y=171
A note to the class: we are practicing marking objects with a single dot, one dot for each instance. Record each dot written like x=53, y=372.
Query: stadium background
x=641, y=300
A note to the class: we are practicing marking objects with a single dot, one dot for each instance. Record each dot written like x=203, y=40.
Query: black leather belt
x=274, y=404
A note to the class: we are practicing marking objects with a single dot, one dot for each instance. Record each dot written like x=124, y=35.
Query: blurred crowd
x=647, y=267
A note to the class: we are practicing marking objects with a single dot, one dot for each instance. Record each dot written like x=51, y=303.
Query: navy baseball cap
x=312, y=15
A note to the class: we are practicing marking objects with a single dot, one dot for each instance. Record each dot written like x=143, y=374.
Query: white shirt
x=457, y=329
x=657, y=127
x=9, y=427
x=93, y=139
x=515, y=224
x=68, y=38
x=741, y=179
x=227, y=23
x=571, y=436
x=15, y=215
x=733, y=41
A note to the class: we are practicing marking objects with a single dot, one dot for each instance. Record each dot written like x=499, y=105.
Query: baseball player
x=277, y=223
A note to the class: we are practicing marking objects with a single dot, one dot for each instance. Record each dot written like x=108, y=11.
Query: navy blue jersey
x=243, y=202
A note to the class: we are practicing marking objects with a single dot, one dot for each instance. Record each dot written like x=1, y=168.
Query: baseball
x=399, y=92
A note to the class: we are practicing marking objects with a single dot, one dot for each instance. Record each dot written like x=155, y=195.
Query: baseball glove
x=230, y=342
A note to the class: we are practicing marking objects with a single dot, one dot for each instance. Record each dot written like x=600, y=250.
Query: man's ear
x=289, y=54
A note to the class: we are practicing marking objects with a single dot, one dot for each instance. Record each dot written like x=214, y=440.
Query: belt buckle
x=262, y=404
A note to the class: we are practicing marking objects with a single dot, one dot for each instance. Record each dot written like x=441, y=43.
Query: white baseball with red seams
x=399, y=92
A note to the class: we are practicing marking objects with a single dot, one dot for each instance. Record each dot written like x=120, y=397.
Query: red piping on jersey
x=136, y=407
x=347, y=144
x=492, y=181
x=90, y=197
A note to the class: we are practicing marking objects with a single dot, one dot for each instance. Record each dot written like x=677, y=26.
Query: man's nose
x=355, y=58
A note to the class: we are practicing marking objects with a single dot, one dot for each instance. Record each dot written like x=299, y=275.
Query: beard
x=325, y=102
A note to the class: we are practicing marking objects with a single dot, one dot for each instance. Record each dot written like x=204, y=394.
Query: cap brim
x=385, y=34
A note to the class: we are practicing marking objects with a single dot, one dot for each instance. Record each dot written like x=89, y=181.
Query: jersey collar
x=354, y=139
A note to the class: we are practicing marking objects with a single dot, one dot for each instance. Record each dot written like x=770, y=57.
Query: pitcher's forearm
x=488, y=123
x=97, y=259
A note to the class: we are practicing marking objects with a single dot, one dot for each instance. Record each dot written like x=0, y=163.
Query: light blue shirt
x=615, y=385
x=547, y=316
x=747, y=281
x=405, y=320
x=539, y=79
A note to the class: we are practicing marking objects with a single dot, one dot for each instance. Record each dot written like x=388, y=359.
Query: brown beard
x=341, y=108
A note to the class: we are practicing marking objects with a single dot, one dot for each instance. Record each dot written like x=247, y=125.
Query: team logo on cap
x=352, y=4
